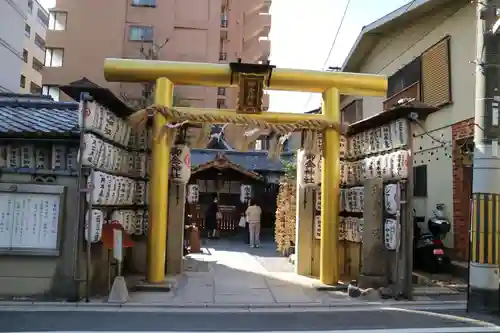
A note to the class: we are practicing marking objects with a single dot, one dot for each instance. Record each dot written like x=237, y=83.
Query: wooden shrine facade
x=222, y=179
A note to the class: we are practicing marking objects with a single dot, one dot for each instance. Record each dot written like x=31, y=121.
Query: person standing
x=253, y=215
x=211, y=218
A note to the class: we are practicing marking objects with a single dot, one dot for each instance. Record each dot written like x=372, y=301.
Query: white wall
x=12, y=16
x=394, y=52
x=37, y=27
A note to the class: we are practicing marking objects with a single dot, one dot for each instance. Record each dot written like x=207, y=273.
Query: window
x=52, y=91
x=404, y=78
x=224, y=22
x=144, y=3
x=23, y=81
x=222, y=56
x=436, y=74
x=35, y=88
x=43, y=17
x=40, y=42
x=30, y=6
x=221, y=103
x=37, y=65
x=57, y=21
x=221, y=91
x=141, y=33
x=353, y=112
x=25, y=55
x=27, y=30
x=420, y=181
x=54, y=57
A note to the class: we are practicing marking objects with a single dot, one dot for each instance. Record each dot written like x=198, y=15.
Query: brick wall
x=460, y=131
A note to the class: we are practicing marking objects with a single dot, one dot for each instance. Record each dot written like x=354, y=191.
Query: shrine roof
x=252, y=160
x=22, y=114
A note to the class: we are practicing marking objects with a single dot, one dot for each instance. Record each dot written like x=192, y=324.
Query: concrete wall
x=36, y=276
x=12, y=16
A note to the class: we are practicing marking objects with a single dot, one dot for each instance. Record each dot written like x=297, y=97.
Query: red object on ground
x=107, y=236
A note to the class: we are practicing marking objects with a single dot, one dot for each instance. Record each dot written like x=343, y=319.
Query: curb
x=131, y=305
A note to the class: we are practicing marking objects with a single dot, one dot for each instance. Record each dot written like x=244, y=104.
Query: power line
x=333, y=44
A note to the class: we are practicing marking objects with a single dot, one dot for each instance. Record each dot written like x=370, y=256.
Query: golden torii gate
x=252, y=79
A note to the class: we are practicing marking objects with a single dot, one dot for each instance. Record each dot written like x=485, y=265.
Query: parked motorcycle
x=429, y=253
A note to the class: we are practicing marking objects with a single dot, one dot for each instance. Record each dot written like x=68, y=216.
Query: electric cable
x=332, y=46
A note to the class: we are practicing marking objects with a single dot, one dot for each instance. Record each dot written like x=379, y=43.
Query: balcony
x=412, y=91
x=257, y=6
x=257, y=50
x=257, y=25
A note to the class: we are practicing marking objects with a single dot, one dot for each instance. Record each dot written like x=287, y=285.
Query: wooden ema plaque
x=251, y=92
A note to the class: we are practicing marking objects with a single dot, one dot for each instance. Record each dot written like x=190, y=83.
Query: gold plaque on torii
x=252, y=79
x=251, y=91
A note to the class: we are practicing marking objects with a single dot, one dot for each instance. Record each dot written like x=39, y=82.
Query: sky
x=302, y=33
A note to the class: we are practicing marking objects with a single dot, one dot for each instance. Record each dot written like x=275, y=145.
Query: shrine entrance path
x=229, y=273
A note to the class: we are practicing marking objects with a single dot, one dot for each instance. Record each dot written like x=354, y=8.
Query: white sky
x=302, y=33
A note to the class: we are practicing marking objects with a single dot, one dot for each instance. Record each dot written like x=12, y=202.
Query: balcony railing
x=412, y=91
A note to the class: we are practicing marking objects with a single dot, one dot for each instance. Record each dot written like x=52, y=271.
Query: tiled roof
x=35, y=114
x=253, y=160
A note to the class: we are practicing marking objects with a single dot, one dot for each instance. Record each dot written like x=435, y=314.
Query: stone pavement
x=231, y=273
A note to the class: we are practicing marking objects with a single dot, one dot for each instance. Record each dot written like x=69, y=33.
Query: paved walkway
x=231, y=273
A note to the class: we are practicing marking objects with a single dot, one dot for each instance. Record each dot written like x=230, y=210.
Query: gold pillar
x=330, y=183
x=158, y=196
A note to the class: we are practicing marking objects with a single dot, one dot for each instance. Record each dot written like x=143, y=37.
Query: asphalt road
x=354, y=321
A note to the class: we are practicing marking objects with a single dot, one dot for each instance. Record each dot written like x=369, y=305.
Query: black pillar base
x=483, y=300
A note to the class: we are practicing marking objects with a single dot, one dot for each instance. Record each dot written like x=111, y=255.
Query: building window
x=57, y=21
x=27, y=30
x=23, y=81
x=420, y=181
x=221, y=91
x=436, y=74
x=40, y=42
x=224, y=22
x=222, y=56
x=404, y=78
x=144, y=3
x=30, y=6
x=35, y=88
x=25, y=55
x=54, y=57
x=52, y=91
x=221, y=103
x=352, y=112
x=141, y=33
x=37, y=65
x=43, y=17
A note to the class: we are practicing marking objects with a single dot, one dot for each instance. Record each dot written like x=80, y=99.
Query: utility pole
x=484, y=257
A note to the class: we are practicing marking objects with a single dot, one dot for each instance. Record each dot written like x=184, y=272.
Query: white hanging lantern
x=192, y=193
x=94, y=219
x=180, y=164
x=308, y=169
x=245, y=193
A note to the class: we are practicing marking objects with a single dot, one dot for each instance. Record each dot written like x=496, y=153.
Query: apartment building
x=13, y=14
x=33, y=53
x=215, y=31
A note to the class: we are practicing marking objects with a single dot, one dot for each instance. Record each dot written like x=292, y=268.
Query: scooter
x=429, y=253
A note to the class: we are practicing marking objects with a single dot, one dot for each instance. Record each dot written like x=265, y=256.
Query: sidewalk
x=230, y=273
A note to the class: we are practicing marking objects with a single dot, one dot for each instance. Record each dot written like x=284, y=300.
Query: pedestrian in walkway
x=253, y=214
x=211, y=218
